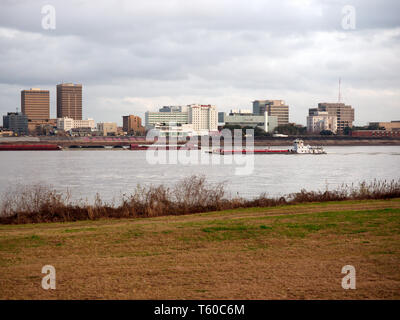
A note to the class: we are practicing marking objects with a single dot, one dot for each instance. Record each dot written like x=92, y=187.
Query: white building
x=67, y=124
x=153, y=118
x=203, y=117
x=321, y=120
x=177, y=130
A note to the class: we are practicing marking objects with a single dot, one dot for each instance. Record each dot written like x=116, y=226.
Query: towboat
x=298, y=148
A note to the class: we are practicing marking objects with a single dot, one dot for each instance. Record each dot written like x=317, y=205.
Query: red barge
x=298, y=148
x=255, y=151
x=29, y=147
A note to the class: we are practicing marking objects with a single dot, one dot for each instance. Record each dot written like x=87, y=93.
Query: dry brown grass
x=290, y=252
x=37, y=204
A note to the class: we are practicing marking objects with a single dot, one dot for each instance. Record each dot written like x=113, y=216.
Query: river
x=114, y=172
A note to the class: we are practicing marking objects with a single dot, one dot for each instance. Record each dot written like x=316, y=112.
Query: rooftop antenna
x=340, y=95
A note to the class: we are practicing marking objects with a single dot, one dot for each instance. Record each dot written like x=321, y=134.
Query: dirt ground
x=290, y=252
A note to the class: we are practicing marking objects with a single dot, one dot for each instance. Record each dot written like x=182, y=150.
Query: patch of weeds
x=33, y=241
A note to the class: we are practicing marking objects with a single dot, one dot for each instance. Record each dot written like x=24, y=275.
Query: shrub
x=37, y=203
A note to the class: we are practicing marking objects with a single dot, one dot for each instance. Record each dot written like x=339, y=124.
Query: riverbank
x=67, y=142
x=290, y=252
x=193, y=194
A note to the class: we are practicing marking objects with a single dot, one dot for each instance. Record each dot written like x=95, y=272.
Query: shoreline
x=66, y=142
x=191, y=195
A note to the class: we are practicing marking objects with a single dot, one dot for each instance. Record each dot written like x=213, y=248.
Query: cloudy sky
x=133, y=56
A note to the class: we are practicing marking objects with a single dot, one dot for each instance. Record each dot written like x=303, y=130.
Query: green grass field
x=288, y=252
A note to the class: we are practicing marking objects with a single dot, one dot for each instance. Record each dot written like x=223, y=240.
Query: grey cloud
x=137, y=54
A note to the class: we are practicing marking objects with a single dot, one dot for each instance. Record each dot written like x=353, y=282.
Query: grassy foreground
x=284, y=252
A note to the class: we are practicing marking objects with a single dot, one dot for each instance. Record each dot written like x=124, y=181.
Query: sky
x=134, y=56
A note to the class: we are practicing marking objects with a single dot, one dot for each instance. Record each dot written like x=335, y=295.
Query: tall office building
x=35, y=104
x=344, y=114
x=69, y=101
x=203, y=117
x=274, y=108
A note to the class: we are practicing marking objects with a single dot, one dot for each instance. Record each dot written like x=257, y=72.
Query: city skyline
x=152, y=55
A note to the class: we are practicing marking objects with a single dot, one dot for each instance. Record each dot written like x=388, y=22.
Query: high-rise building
x=69, y=101
x=16, y=121
x=203, y=117
x=344, y=114
x=35, y=104
x=275, y=108
x=318, y=121
x=132, y=124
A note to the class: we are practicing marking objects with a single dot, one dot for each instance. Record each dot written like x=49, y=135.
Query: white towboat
x=299, y=147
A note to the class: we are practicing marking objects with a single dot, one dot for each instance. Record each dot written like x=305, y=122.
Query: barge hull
x=29, y=147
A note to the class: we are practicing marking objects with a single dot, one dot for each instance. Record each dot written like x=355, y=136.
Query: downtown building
x=174, y=115
x=203, y=118
x=132, y=124
x=35, y=104
x=16, y=122
x=318, y=121
x=107, y=128
x=244, y=118
x=388, y=126
x=344, y=114
x=194, y=119
x=274, y=108
x=67, y=124
x=69, y=101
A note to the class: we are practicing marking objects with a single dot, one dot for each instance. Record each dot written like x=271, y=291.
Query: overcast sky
x=133, y=56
